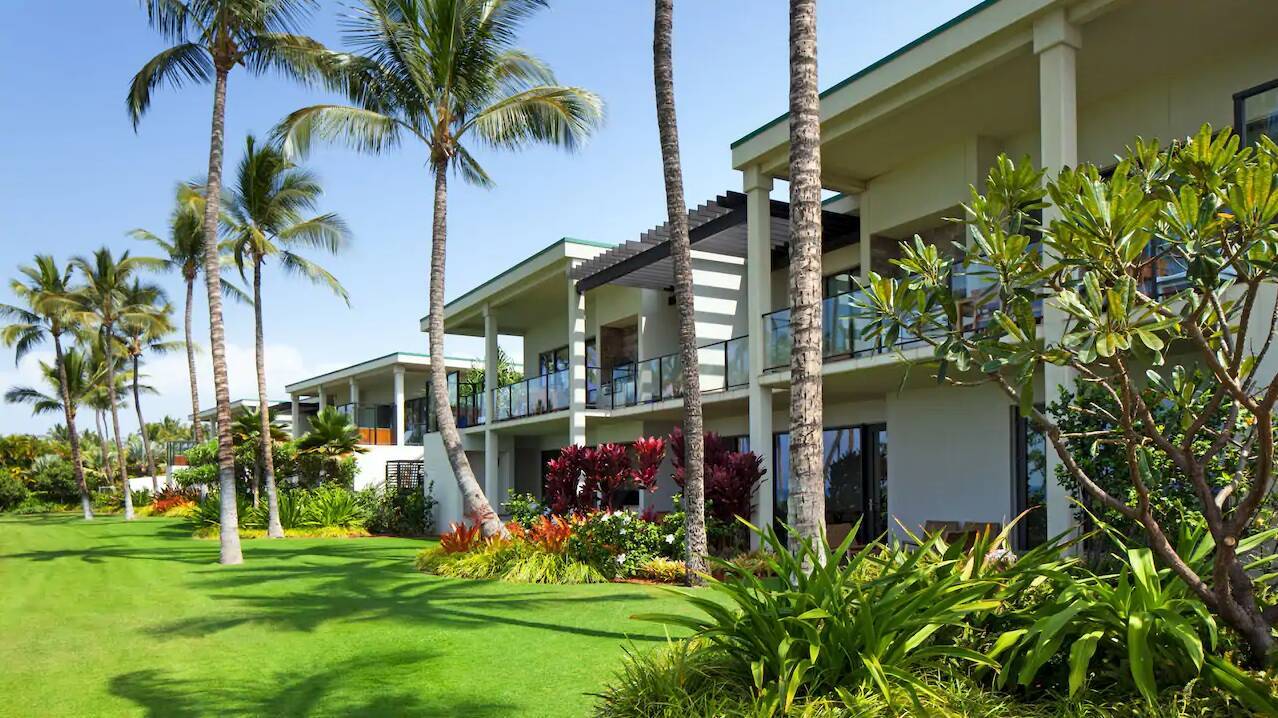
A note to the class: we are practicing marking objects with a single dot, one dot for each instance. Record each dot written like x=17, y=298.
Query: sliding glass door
x=855, y=478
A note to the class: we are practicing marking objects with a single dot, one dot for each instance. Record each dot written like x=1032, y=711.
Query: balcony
x=375, y=422
x=723, y=365
x=533, y=396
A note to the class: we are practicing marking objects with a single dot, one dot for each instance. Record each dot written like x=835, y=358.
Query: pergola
x=718, y=226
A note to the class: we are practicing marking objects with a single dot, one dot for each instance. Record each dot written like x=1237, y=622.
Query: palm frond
x=362, y=130
x=174, y=67
x=560, y=116
x=296, y=264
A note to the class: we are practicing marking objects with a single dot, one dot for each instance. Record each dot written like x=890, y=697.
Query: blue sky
x=75, y=176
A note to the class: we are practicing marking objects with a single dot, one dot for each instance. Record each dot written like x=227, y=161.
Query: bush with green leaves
x=523, y=509
x=617, y=543
x=53, y=479
x=514, y=561
x=13, y=491
x=333, y=506
x=400, y=513
x=326, y=507
x=1140, y=627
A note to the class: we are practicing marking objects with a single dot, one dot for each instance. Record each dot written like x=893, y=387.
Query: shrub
x=663, y=570
x=289, y=504
x=731, y=477
x=400, y=513
x=331, y=505
x=523, y=509
x=548, y=533
x=825, y=629
x=1142, y=628
x=53, y=479
x=173, y=497
x=35, y=505
x=586, y=478
x=12, y=490
x=462, y=538
x=615, y=543
x=515, y=561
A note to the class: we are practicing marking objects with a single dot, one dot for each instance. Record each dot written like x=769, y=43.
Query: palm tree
x=100, y=398
x=247, y=431
x=444, y=72
x=212, y=37
x=146, y=331
x=267, y=206
x=694, y=497
x=106, y=301
x=46, y=294
x=332, y=437
x=72, y=380
x=807, y=492
x=183, y=253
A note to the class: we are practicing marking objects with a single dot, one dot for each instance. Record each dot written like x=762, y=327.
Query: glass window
x=1256, y=112
x=1031, y=482
x=840, y=282
x=552, y=361
x=855, y=460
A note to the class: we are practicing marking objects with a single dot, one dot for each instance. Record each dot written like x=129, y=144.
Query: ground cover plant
x=327, y=510
x=308, y=627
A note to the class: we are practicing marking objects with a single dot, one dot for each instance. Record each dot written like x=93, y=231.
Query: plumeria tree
x=1195, y=349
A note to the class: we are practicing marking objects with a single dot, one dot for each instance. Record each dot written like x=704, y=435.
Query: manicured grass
x=111, y=619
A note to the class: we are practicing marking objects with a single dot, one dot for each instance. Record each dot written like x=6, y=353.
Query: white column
x=354, y=390
x=323, y=399
x=576, y=360
x=866, y=248
x=399, y=406
x=759, y=301
x=1056, y=43
x=297, y=416
x=492, y=455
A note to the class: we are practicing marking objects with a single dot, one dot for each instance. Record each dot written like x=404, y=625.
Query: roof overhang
x=982, y=37
x=465, y=314
x=407, y=360
x=717, y=227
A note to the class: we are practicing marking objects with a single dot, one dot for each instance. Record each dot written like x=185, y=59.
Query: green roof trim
x=835, y=198
x=876, y=65
x=553, y=245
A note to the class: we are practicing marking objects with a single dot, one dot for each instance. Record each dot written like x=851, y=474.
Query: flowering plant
x=586, y=478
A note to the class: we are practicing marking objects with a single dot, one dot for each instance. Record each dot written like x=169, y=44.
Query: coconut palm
x=211, y=38
x=100, y=399
x=807, y=492
x=681, y=251
x=105, y=302
x=45, y=293
x=445, y=73
x=146, y=332
x=72, y=380
x=183, y=253
x=332, y=437
x=268, y=207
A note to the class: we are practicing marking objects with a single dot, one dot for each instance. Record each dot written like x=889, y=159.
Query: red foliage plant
x=731, y=476
x=171, y=497
x=585, y=479
x=462, y=538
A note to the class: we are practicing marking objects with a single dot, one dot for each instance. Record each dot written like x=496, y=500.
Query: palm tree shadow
x=369, y=684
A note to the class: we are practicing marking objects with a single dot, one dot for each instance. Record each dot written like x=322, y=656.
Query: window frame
x=1240, y=98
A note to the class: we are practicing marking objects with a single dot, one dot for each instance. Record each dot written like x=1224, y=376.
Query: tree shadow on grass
x=372, y=684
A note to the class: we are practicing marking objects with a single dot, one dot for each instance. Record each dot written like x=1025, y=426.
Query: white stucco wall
x=949, y=456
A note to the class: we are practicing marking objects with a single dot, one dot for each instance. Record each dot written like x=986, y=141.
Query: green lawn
x=112, y=619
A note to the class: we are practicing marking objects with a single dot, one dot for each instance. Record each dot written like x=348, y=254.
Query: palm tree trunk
x=229, y=532
x=694, y=502
x=115, y=422
x=474, y=503
x=266, y=467
x=73, y=436
x=197, y=432
x=99, y=420
x=146, y=440
x=807, y=485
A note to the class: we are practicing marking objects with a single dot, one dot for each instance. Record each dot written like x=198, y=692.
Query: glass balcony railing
x=722, y=365
x=375, y=422
x=530, y=397
x=840, y=329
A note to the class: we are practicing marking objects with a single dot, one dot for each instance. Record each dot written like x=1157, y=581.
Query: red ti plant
x=731, y=476
x=585, y=479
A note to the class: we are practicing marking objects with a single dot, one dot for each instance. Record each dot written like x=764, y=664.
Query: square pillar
x=354, y=391
x=297, y=416
x=492, y=456
x=323, y=399
x=399, y=406
x=758, y=188
x=576, y=360
x=1056, y=43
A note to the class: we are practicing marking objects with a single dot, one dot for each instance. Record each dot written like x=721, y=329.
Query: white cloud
x=169, y=376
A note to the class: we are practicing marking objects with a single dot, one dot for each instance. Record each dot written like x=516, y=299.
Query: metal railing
x=375, y=422
x=722, y=365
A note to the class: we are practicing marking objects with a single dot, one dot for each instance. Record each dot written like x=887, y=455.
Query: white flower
x=669, y=538
x=621, y=558
x=623, y=532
